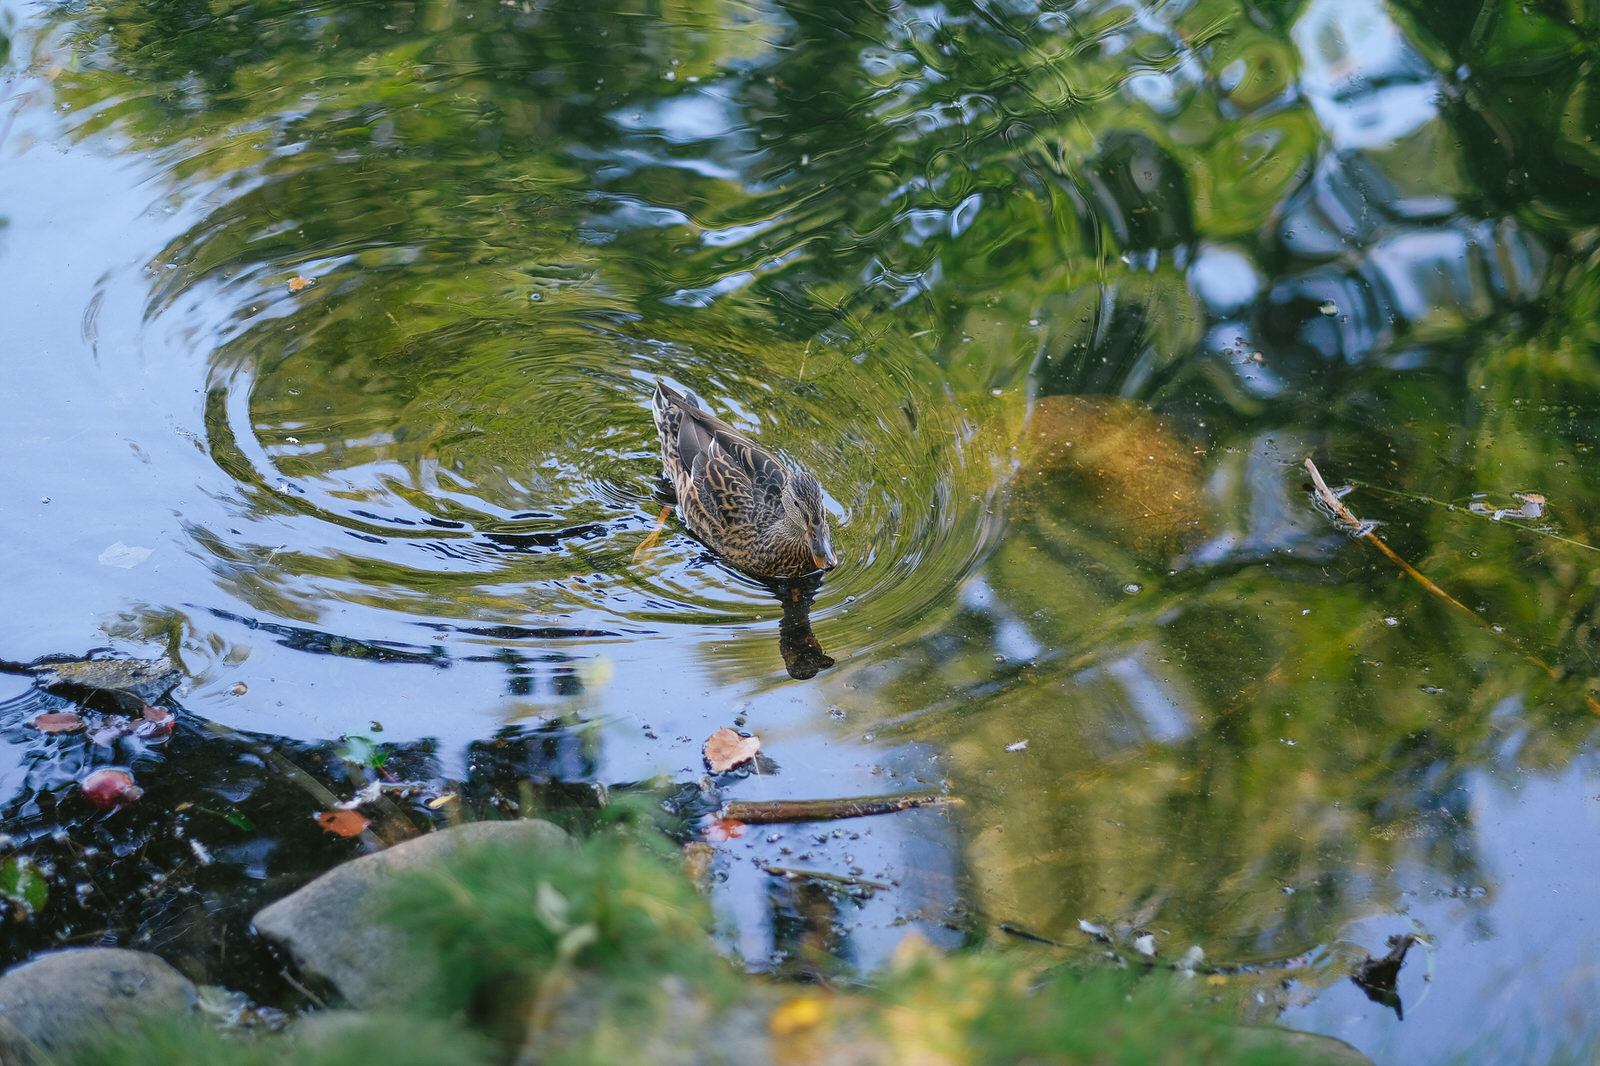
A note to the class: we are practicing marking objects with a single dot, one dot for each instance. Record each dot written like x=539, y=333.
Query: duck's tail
x=666, y=394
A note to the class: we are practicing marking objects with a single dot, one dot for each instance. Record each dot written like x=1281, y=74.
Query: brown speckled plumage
x=758, y=514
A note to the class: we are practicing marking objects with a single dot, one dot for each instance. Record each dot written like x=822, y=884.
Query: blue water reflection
x=350, y=322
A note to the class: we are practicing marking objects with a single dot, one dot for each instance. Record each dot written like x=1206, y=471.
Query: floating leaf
x=233, y=818
x=343, y=823
x=724, y=829
x=58, y=722
x=297, y=283
x=727, y=749
x=110, y=789
x=363, y=752
x=157, y=724
x=23, y=884
x=125, y=556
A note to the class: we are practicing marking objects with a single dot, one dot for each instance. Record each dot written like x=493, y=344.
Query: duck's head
x=806, y=518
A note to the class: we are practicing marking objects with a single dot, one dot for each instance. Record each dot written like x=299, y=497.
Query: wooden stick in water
x=768, y=812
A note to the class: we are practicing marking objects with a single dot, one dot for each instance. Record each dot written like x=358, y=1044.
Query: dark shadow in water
x=318, y=642
x=803, y=656
x=1379, y=978
x=224, y=826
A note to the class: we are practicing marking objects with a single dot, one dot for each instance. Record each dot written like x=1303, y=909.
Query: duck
x=758, y=513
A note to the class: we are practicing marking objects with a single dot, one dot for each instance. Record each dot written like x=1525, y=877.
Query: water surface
x=331, y=332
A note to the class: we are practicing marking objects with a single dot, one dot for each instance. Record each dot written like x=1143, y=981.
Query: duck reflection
x=802, y=653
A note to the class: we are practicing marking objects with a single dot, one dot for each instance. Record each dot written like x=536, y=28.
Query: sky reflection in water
x=1053, y=301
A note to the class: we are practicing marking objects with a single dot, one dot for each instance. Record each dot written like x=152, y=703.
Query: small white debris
x=1020, y=745
x=1096, y=931
x=124, y=555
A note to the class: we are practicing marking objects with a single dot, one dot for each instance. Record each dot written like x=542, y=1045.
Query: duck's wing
x=723, y=492
x=736, y=482
x=699, y=431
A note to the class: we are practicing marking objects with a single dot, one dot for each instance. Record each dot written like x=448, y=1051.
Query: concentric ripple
x=514, y=483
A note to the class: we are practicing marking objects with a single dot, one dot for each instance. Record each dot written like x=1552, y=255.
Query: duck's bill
x=822, y=553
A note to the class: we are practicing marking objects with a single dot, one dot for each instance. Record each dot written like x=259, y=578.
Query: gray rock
x=331, y=931
x=321, y=1027
x=56, y=1001
x=130, y=682
x=1308, y=1047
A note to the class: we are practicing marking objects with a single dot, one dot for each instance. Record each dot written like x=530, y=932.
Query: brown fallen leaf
x=298, y=283
x=343, y=823
x=58, y=722
x=727, y=749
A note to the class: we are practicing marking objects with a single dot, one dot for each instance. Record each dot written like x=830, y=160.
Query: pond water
x=330, y=331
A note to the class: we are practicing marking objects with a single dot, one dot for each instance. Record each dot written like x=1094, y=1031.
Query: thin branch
x=768, y=812
x=822, y=875
x=1348, y=521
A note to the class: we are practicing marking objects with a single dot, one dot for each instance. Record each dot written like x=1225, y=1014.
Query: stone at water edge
x=330, y=927
x=56, y=1001
x=1310, y=1047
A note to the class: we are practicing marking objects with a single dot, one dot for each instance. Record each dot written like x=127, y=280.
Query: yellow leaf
x=795, y=1016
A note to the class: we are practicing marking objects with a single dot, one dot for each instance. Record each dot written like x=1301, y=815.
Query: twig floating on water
x=768, y=812
x=820, y=875
x=1356, y=527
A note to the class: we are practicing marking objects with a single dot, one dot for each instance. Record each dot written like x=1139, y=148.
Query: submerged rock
x=127, y=683
x=332, y=930
x=60, y=1000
